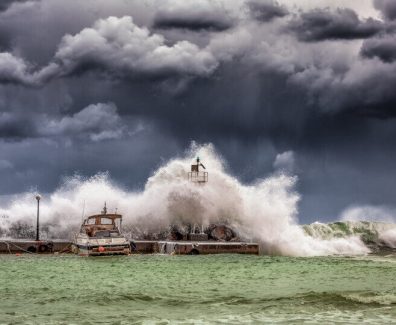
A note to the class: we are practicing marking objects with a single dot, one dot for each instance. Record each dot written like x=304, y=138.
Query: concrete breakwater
x=138, y=247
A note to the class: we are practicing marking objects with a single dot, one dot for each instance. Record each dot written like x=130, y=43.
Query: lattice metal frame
x=198, y=177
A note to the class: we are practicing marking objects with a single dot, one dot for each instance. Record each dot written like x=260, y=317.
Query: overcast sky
x=307, y=85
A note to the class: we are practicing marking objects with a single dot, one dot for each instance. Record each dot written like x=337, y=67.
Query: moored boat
x=100, y=234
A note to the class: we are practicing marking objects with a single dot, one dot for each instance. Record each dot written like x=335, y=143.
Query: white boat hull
x=98, y=247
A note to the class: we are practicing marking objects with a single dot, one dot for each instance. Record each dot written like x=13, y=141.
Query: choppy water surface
x=196, y=289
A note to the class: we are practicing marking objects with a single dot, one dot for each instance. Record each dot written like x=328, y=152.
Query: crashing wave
x=265, y=211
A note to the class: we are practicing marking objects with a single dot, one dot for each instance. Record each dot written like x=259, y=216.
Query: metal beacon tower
x=197, y=176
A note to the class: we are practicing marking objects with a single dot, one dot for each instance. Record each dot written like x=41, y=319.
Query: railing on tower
x=197, y=176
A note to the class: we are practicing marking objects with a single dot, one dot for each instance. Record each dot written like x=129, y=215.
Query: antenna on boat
x=104, y=209
x=83, y=212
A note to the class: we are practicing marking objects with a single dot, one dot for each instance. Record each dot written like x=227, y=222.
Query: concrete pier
x=8, y=246
x=207, y=247
x=32, y=246
x=193, y=248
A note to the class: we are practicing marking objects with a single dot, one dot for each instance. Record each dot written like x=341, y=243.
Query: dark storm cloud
x=95, y=122
x=121, y=48
x=5, y=4
x=266, y=10
x=387, y=7
x=326, y=24
x=365, y=89
x=5, y=41
x=207, y=18
x=383, y=48
x=15, y=127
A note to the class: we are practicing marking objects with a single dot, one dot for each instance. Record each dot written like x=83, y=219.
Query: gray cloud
x=387, y=7
x=356, y=90
x=266, y=10
x=383, y=47
x=5, y=4
x=96, y=122
x=326, y=24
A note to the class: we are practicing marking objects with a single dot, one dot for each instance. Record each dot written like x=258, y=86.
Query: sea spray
x=265, y=211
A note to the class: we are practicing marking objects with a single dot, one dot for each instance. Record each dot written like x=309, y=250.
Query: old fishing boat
x=100, y=234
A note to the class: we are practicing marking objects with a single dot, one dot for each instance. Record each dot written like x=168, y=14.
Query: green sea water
x=215, y=289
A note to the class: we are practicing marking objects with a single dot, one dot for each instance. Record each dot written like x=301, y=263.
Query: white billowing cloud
x=285, y=162
x=13, y=69
x=369, y=213
x=120, y=46
x=97, y=121
x=115, y=45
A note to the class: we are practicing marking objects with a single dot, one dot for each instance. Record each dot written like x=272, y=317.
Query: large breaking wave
x=265, y=211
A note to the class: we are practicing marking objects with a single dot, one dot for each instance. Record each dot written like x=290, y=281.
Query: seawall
x=8, y=246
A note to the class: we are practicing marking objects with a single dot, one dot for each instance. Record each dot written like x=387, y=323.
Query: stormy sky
x=122, y=86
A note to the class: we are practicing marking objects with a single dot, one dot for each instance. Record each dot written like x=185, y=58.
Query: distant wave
x=375, y=235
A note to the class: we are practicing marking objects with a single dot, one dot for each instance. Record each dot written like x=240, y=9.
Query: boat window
x=106, y=234
x=91, y=221
x=106, y=221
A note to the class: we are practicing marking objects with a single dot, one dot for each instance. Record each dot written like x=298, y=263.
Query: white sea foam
x=389, y=237
x=265, y=211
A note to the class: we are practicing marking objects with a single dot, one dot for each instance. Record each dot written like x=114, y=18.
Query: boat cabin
x=102, y=225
